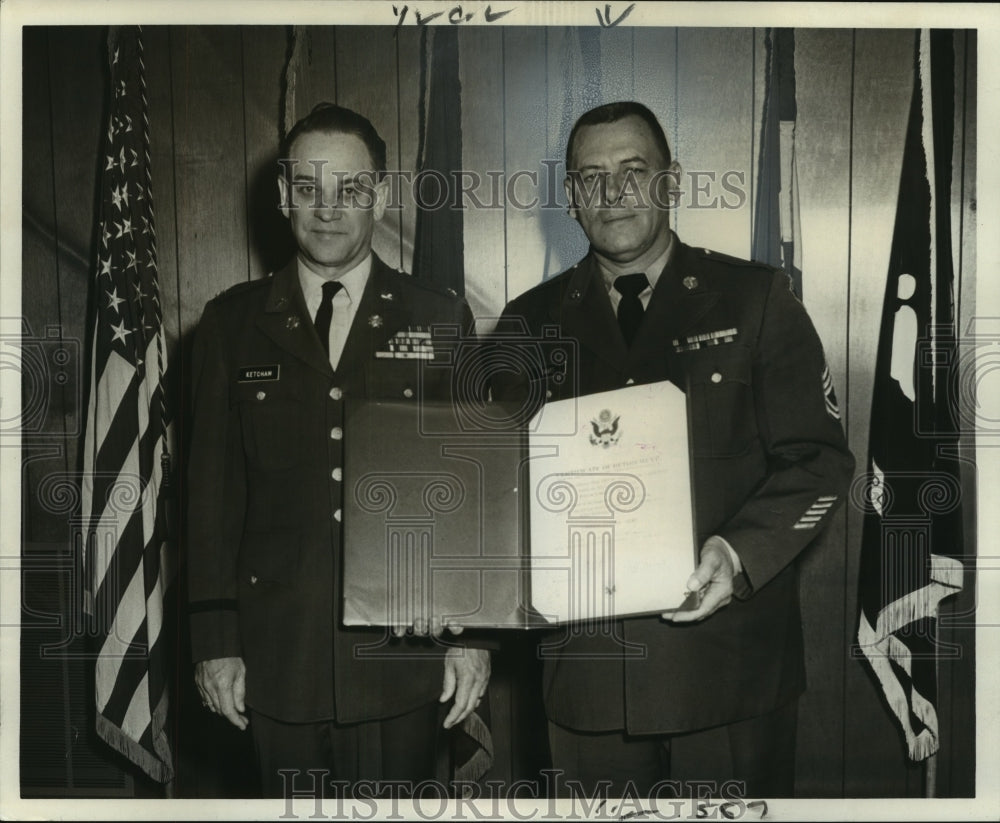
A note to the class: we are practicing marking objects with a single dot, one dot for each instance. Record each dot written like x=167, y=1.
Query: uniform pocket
x=723, y=417
x=275, y=430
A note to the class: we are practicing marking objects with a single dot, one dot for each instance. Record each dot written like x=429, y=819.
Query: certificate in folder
x=583, y=513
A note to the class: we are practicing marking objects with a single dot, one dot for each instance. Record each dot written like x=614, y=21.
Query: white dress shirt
x=345, y=301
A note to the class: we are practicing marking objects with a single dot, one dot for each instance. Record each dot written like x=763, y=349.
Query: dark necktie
x=630, y=310
x=324, y=314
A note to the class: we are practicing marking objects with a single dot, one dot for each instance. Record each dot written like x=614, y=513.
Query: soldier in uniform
x=770, y=466
x=275, y=361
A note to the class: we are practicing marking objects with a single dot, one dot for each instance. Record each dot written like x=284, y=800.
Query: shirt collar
x=353, y=281
x=652, y=271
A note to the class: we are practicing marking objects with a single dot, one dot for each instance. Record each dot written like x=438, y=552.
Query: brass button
x=336, y=515
x=337, y=433
x=716, y=377
x=336, y=393
x=253, y=580
x=548, y=393
x=407, y=392
x=261, y=395
x=337, y=474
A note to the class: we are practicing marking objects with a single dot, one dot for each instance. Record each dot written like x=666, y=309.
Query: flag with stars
x=126, y=466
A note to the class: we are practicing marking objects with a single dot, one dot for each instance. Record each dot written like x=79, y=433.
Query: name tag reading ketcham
x=256, y=374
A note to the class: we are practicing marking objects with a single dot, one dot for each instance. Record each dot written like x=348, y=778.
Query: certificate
x=583, y=513
x=611, y=519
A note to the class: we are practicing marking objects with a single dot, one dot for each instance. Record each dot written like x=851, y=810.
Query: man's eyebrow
x=310, y=178
x=635, y=159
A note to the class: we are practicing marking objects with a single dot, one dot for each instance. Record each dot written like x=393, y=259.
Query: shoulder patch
x=719, y=257
x=240, y=288
x=431, y=287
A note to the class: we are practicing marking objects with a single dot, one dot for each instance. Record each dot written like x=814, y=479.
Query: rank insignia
x=604, y=429
x=829, y=396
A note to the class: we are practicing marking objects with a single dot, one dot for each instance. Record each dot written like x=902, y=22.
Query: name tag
x=253, y=374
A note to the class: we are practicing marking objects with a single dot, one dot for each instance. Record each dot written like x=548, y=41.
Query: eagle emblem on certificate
x=604, y=429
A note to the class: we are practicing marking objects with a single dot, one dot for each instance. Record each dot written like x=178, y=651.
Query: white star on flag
x=114, y=299
x=106, y=267
x=120, y=332
x=131, y=260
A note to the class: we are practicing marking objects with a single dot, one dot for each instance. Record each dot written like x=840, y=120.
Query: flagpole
x=930, y=777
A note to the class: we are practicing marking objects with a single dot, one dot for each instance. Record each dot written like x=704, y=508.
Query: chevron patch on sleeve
x=829, y=395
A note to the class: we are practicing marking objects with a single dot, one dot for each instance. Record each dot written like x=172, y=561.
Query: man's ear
x=381, y=189
x=570, y=196
x=285, y=193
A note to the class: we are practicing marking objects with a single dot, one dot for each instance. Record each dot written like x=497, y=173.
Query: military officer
x=275, y=361
x=770, y=466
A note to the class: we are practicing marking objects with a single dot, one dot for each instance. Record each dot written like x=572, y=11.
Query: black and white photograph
x=498, y=410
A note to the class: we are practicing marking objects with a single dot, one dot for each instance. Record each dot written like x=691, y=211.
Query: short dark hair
x=329, y=118
x=613, y=112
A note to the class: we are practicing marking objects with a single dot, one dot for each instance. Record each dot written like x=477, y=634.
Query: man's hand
x=421, y=628
x=466, y=675
x=222, y=684
x=713, y=579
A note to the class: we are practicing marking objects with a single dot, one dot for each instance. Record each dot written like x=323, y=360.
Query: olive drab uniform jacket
x=266, y=487
x=770, y=467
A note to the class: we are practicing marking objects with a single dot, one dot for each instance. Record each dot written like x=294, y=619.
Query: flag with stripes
x=777, y=237
x=126, y=464
x=912, y=531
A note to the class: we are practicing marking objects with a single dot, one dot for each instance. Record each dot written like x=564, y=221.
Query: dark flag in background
x=438, y=247
x=912, y=533
x=776, y=232
x=439, y=256
x=126, y=463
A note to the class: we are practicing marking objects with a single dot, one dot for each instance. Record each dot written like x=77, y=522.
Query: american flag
x=127, y=559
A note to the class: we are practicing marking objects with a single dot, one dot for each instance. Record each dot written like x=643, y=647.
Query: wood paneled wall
x=216, y=102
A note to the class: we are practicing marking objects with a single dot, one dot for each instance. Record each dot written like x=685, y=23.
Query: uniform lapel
x=681, y=298
x=287, y=322
x=585, y=314
x=381, y=313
